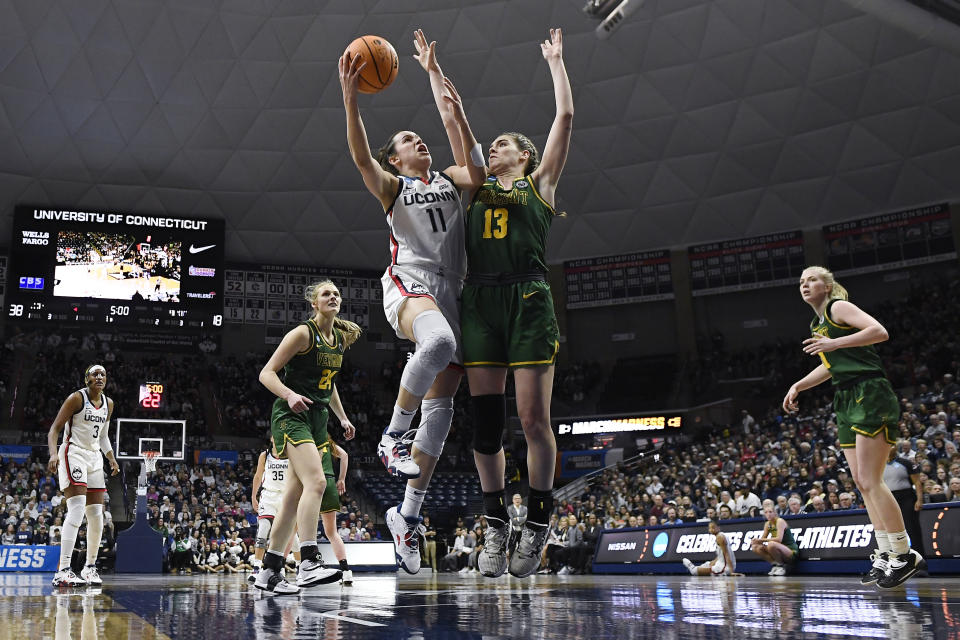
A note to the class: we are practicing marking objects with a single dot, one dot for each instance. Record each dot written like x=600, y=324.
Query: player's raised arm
x=378, y=181
x=70, y=406
x=426, y=55
x=471, y=176
x=558, y=141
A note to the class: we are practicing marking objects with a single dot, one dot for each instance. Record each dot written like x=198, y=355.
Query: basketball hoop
x=150, y=460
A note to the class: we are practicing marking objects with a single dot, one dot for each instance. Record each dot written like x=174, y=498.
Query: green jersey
x=507, y=230
x=787, y=539
x=850, y=362
x=311, y=372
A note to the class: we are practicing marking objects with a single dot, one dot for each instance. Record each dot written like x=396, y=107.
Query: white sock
x=71, y=526
x=94, y=531
x=401, y=419
x=899, y=542
x=412, y=501
x=883, y=541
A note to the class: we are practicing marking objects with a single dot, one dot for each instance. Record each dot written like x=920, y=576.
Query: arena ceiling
x=697, y=120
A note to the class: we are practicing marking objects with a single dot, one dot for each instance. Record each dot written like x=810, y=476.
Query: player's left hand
x=819, y=344
x=341, y=487
x=114, y=467
x=426, y=54
x=919, y=504
x=453, y=100
x=553, y=48
x=348, y=429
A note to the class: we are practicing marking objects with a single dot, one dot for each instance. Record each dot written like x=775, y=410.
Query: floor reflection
x=593, y=607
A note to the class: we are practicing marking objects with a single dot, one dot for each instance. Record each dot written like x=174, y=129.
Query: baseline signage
x=836, y=536
x=18, y=452
x=23, y=557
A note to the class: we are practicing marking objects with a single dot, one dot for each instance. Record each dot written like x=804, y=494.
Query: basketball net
x=149, y=466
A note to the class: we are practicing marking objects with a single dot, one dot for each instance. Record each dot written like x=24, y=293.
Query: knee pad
x=436, y=418
x=75, y=510
x=436, y=347
x=263, y=532
x=489, y=421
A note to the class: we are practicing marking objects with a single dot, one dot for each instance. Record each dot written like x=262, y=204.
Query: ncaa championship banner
x=846, y=536
x=202, y=456
x=21, y=557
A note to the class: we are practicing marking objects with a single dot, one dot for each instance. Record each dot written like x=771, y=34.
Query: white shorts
x=400, y=283
x=269, y=504
x=81, y=467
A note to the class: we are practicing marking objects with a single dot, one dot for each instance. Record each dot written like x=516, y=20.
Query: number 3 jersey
x=426, y=225
x=84, y=427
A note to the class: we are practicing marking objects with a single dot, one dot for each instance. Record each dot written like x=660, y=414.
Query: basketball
x=381, y=61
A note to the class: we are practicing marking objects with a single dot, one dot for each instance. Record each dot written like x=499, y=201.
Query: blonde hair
x=351, y=330
x=837, y=291
x=333, y=447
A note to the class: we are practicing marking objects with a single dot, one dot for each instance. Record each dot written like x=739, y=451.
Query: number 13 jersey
x=426, y=226
x=507, y=229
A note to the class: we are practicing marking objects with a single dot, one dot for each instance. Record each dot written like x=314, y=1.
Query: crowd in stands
x=793, y=460
x=33, y=510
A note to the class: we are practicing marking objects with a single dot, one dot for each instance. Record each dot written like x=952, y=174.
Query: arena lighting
x=611, y=14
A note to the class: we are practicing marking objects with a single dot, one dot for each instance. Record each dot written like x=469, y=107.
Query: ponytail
x=351, y=330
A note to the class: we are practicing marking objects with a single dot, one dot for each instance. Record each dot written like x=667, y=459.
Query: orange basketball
x=381, y=61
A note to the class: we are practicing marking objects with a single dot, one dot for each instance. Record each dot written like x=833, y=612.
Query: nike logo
x=860, y=399
x=194, y=249
x=532, y=293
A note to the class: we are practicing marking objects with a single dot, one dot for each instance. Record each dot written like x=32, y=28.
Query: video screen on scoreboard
x=104, y=267
x=117, y=266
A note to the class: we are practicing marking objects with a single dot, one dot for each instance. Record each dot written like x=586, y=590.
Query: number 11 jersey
x=426, y=225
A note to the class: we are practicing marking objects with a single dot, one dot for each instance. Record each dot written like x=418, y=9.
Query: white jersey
x=274, y=470
x=720, y=559
x=427, y=226
x=84, y=427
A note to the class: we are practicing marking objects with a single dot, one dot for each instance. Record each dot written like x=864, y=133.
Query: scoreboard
x=115, y=268
x=749, y=263
x=901, y=239
x=272, y=295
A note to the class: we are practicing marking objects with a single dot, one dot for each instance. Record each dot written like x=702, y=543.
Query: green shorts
x=511, y=325
x=296, y=428
x=331, y=497
x=868, y=408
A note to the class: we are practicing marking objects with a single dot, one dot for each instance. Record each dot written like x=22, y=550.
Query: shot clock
x=115, y=269
x=151, y=395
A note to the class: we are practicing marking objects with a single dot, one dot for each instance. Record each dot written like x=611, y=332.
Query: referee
x=903, y=478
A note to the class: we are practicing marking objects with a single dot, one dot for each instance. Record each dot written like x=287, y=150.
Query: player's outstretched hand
x=426, y=54
x=298, y=403
x=52, y=464
x=349, y=68
x=552, y=49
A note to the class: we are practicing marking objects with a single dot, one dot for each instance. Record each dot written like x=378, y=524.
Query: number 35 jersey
x=507, y=229
x=426, y=225
x=84, y=427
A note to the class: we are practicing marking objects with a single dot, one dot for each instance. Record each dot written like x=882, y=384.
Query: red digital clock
x=151, y=395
